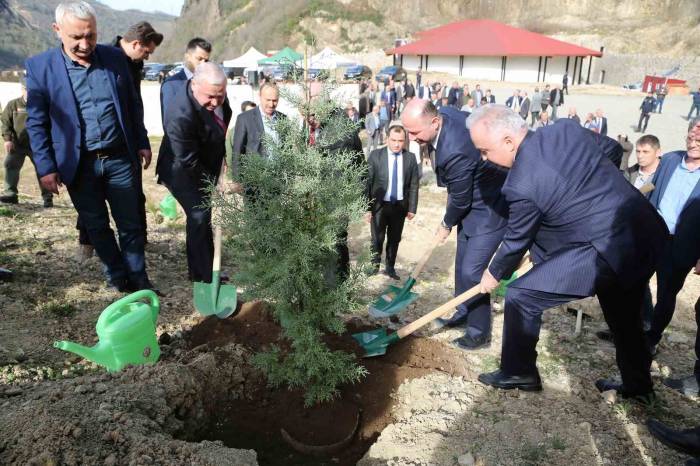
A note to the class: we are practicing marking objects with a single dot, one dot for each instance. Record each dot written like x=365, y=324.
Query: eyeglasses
x=692, y=141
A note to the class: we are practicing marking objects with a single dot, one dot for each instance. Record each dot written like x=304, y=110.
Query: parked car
x=286, y=73
x=156, y=71
x=357, y=72
x=319, y=74
x=391, y=72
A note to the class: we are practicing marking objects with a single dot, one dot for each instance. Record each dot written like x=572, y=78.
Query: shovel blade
x=215, y=299
x=375, y=342
x=398, y=304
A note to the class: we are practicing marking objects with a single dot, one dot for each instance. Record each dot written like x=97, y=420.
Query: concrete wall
x=411, y=62
x=555, y=69
x=482, y=68
x=443, y=64
x=522, y=69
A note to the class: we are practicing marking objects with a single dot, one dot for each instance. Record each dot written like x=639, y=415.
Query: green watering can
x=168, y=207
x=126, y=331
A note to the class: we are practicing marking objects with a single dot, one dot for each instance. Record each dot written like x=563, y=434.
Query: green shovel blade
x=375, y=342
x=503, y=285
x=393, y=300
x=214, y=298
x=168, y=207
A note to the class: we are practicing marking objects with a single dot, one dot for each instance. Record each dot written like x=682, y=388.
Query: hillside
x=669, y=28
x=26, y=26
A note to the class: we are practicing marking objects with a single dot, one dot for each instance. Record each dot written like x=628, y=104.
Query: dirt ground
x=150, y=415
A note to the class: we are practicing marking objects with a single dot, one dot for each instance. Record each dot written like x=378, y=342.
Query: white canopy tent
x=248, y=60
x=327, y=59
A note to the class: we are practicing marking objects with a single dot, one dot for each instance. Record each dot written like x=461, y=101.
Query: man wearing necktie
x=191, y=156
x=392, y=188
x=474, y=205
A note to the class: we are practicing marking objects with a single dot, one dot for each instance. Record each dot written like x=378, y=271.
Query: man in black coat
x=251, y=126
x=392, y=190
x=191, y=157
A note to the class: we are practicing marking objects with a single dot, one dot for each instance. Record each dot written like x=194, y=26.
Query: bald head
x=421, y=120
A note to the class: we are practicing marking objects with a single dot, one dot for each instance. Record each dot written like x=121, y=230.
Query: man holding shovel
x=589, y=232
x=191, y=157
x=474, y=205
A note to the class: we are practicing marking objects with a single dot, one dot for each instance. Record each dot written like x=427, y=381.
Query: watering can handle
x=418, y=323
x=113, y=309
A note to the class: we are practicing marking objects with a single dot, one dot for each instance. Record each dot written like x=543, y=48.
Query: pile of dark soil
x=256, y=422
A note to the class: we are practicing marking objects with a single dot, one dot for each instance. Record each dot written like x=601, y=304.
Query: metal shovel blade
x=393, y=300
x=375, y=342
x=214, y=298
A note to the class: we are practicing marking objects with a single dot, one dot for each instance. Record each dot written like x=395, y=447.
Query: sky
x=167, y=6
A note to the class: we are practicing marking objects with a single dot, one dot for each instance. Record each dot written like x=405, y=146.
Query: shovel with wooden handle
x=375, y=342
x=214, y=298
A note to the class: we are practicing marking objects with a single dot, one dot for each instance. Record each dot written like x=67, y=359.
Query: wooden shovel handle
x=216, y=265
x=424, y=259
x=457, y=300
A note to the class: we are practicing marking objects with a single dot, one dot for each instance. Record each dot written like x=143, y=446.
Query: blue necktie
x=393, y=197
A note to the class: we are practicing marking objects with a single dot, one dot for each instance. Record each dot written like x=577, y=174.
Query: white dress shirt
x=399, y=176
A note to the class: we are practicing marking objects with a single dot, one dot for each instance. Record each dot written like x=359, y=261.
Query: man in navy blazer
x=677, y=198
x=86, y=131
x=191, y=157
x=196, y=52
x=588, y=231
x=474, y=205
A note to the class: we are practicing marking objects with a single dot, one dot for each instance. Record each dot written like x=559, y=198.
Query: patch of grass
x=558, y=443
x=489, y=363
x=532, y=455
x=57, y=308
x=623, y=408
x=6, y=212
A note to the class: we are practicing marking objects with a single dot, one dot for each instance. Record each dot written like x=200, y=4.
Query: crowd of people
x=597, y=221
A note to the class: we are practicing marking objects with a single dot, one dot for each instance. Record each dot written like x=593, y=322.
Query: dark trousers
x=13, y=165
x=387, y=222
x=199, y=240
x=694, y=107
x=620, y=305
x=659, y=105
x=565, y=89
x=670, y=278
x=644, y=117
x=471, y=259
x=535, y=117
x=114, y=181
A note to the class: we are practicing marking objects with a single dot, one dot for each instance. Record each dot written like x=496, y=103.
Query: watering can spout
x=91, y=354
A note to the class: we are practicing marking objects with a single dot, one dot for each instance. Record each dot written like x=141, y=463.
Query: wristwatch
x=445, y=226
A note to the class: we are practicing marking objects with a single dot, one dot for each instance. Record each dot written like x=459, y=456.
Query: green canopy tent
x=284, y=56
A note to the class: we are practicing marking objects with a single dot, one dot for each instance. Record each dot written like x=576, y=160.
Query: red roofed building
x=486, y=49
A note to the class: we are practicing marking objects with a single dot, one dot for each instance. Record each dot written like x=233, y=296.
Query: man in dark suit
x=677, y=198
x=86, y=130
x=191, y=157
x=251, y=126
x=474, y=205
x=556, y=100
x=588, y=231
x=197, y=51
x=601, y=122
x=455, y=96
x=392, y=188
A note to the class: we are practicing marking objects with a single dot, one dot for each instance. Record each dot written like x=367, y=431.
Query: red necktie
x=218, y=120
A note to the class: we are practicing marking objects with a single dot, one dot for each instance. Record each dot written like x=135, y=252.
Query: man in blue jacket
x=86, y=131
x=677, y=198
x=474, y=205
x=588, y=231
x=695, y=106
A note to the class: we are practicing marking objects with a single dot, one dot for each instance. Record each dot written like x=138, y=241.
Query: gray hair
x=695, y=121
x=80, y=10
x=497, y=118
x=210, y=73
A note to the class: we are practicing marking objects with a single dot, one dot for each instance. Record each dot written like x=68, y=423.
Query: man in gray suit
x=252, y=125
x=373, y=128
x=392, y=188
x=477, y=94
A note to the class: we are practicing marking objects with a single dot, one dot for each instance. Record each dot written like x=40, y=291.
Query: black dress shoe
x=48, y=203
x=117, y=285
x=144, y=285
x=686, y=441
x=687, y=386
x=605, y=335
x=527, y=383
x=604, y=385
x=469, y=343
x=9, y=199
x=391, y=273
